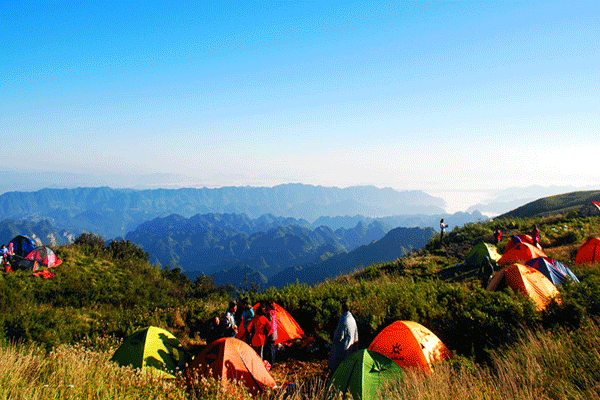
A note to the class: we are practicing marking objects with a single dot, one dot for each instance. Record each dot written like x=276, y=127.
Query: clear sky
x=445, y=97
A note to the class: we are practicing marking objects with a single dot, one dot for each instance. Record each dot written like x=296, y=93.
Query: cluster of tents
x=401, y=345
x=27, y=254
x=525, y=267
x=227, y=359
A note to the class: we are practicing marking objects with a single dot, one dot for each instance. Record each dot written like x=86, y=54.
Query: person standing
x=497, y=235
x=246, y=317
x=443, y=227
x=228, y=326
x=11, y=251
x=486, y=271
x=345, y=338
x=259, y=328
x=214, y=330
x=535, y=235
x=247, y=312
x=3, y=254
x=269, y=350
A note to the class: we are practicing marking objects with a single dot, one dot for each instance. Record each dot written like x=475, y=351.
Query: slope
x=554, y=204
x=397, y=243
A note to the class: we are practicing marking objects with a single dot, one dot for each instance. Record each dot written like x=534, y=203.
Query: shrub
x=90, y=243
x=567, y=237
x=125, y=250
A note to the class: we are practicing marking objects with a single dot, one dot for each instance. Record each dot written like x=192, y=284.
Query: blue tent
x=553, y=270
x=23, y=245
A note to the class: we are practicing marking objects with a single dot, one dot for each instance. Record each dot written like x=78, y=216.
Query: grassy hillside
x=99, y=291
x=554, y=204
x=503, y=348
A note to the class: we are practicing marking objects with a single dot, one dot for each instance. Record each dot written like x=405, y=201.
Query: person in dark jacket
x=214, y=330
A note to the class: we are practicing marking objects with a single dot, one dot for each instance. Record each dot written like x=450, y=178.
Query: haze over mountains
x=237, y=235
x=249, y=233
x=489, y=202
x=114, y=212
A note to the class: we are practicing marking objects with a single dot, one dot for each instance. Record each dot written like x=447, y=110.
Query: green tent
x=152, y=349
x=363, y=373
x=479, y=252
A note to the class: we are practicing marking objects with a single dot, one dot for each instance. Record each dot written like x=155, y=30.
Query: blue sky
x=453, y=98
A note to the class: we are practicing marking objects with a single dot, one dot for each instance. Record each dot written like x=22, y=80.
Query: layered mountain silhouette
x=395, y=244
x=114, y=212
x=211, y=243
x=238, y=235
x=42, y=232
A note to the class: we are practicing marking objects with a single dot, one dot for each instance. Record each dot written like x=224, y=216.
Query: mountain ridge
x=114, y=212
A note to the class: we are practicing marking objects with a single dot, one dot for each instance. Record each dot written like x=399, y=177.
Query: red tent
x=38, y=260
x=44, y=256
x=520, y=253
x=287, y=327
x=410, y=344
x=229, y=359
x=524, y=239
x=589, y=252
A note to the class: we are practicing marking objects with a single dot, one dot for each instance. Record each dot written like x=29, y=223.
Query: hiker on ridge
x=443, y=227
x=345, y=338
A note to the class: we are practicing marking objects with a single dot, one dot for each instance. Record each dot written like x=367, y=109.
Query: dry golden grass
x=74, y=372
x=539, y=365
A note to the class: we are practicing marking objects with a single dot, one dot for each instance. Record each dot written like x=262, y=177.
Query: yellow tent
x=526, y=280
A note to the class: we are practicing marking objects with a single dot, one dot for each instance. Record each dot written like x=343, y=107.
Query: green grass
x=503, y=348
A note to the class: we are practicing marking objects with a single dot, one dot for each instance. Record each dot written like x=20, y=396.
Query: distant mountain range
x=43, y=232
x=114, y=212
x=252, y=234
x=209, y=243
x=350, y=229
x=395, y=244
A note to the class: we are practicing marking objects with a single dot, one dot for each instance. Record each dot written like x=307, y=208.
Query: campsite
x=443, y=332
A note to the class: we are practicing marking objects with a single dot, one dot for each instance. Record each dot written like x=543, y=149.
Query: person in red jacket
x=259, y=328
x=497, y=236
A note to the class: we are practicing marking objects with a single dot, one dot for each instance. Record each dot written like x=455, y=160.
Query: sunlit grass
x=75, y=372
x=538, y=365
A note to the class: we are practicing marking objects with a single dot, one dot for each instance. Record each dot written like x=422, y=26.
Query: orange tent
x=589, y=252
x=287, y=327
x=228, y=359
x=526, y=280
x=520, y=253
x=524, y=239
x=410, y=345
